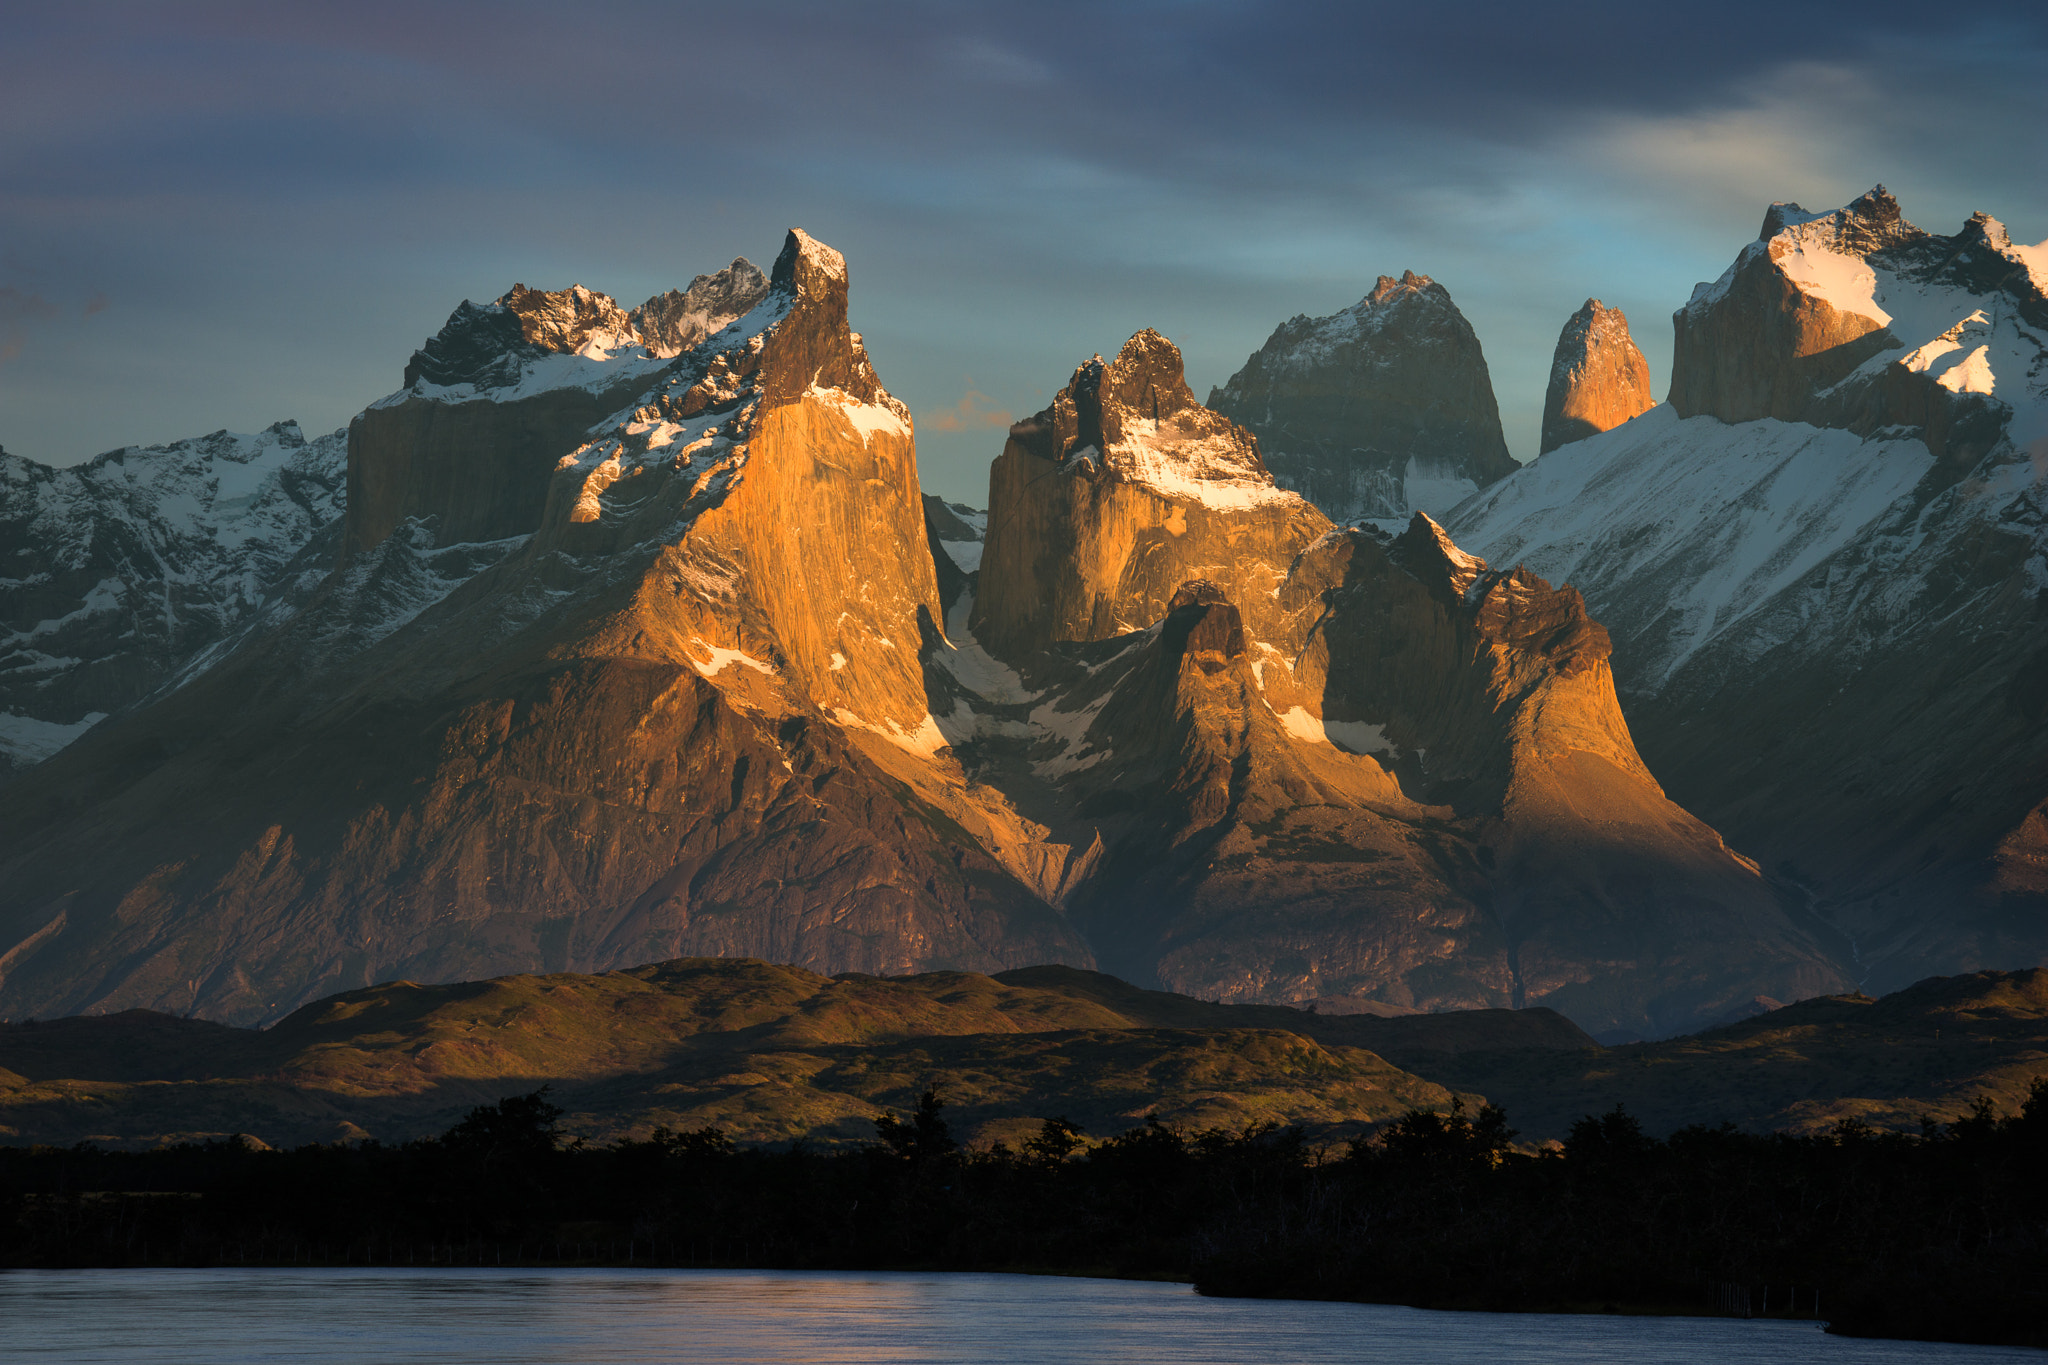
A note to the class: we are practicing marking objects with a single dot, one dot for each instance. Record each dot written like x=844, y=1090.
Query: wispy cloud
x=974, y=412
x=17, y=311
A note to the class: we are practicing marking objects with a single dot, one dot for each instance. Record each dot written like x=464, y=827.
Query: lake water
x=453, y=1317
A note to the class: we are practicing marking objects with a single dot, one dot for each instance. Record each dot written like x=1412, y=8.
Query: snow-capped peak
x=817, y=256
x=533, y=341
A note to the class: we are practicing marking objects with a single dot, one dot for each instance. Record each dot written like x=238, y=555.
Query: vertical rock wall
x=1598, y=377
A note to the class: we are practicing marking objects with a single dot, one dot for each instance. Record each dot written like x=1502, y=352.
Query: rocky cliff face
x=1821, y=563
x=681, y=709
x=120, y=572
x=671, y=323
x=1383, y=409
x=504, y=390
x=1334, y=764
x=1808, y=324
x=726, y=685
x=1598, y=378
x=1123, y=489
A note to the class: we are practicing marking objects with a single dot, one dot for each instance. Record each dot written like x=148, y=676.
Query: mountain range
x=617, y=637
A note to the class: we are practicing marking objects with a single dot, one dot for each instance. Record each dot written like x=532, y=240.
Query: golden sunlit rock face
x=689, y=686
x=663, y=721
x=1123, y=489
x=1333, y=763
x=1598, y=378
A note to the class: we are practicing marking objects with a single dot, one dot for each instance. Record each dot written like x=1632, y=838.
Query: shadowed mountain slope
x=1824, y=564
x=1383, y=409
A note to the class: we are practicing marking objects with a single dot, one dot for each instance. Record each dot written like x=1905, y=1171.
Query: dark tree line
x=1940, y=1235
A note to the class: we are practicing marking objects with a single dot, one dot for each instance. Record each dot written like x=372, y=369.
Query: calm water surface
x=564, y=1317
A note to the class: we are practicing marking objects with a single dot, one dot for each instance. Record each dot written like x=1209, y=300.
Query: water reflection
x=566, y=1317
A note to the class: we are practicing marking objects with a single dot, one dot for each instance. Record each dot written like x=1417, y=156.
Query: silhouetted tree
x=924, y=1138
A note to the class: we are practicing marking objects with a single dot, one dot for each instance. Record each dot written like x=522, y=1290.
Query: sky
x=224, y=215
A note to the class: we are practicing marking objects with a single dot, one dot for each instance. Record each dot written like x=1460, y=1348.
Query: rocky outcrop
x=1327, y=764
x=954, y=533
x=1434, y=804
x=672, y=323
x=1821, y=563
x=1123, y=489
x=1798, y=328
x=710, y=691
x=685, y=713
x=1598, y=378
x=123, y=571
x=505, y=390
x=1378, y=411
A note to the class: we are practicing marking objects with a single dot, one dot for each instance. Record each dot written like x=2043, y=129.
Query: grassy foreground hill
x=770, y=1054
x=1927, y=1052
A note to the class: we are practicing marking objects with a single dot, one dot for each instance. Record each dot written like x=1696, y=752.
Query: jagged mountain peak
x=486, y=350
x=1135, y=419
x=1859, y=320
x=573, y=319
x=1375, y=410
x=1123, y=488
x=1408, y=286
x=490, y=346
x=1147, y=378
x=807, y=264
x=1598, y=377
x=673, y=322
x=1870, y=222
x=1427, y=551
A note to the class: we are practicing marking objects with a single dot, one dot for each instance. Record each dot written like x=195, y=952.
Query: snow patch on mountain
x=1845, y=283
x=2035, y=259
x=26, y=741
x=1213, y=471
x=722, y=658
x=122, y=569
x=1677, y=530
x=888, y=415
x=966, y=554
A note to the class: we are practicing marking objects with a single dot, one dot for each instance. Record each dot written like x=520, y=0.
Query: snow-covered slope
x=1825, y=567
x=1689, y=529
x=117, y=572
x=532, y=341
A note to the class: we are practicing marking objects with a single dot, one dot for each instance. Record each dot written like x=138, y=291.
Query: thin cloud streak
x=1015, y=189
x=975, y=411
